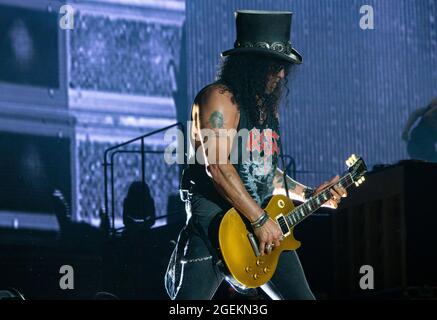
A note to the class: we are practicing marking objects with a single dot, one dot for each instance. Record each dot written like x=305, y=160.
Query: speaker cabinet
x=389, y=223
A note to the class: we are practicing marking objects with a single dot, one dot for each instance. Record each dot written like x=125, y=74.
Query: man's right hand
x=269, y=233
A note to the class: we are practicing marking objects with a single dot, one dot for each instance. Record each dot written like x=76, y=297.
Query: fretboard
x=305, y=209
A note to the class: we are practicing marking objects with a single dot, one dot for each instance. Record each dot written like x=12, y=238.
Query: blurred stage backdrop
x=130, y=67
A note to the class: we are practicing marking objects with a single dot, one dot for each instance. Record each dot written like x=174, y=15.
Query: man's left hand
x=337, y=192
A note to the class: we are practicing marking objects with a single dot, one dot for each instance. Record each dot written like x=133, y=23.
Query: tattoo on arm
x=216, y=120
x=295, y=188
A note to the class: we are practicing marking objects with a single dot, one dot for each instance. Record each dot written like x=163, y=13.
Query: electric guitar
x=239, y=246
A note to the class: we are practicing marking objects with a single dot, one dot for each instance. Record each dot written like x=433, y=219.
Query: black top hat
x=264, y=32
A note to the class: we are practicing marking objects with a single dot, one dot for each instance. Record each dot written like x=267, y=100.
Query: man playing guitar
x=245, y=98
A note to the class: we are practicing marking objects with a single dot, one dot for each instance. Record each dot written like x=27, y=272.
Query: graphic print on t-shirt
x=258, y=169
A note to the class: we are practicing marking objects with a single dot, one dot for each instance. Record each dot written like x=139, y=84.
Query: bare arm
x=218, y=114
x=296, y=190
x=214, y=119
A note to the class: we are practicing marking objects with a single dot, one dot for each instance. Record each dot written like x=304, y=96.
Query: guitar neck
x=315, y=202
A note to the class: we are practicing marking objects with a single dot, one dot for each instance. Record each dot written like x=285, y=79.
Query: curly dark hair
x=246, y=76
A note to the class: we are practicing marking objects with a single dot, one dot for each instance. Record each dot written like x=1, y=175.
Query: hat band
x=278, y=46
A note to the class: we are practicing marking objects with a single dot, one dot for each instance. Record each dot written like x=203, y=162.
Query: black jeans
x=199, y=276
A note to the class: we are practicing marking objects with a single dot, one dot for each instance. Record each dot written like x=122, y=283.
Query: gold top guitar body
x=236, y=247
x=239, y=246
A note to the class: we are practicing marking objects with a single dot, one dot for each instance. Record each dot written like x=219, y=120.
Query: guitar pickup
x=283, y=224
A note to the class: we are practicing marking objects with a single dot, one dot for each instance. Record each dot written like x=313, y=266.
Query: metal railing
x=115, y=150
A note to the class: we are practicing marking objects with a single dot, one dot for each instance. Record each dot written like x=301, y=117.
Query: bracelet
x=258, y=219
x=258, y=223
x=308, y=193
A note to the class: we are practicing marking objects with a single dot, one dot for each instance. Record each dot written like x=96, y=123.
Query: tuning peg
x=354, y=156
x=357, y=184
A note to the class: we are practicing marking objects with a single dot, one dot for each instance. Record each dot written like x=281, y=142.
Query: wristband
x=258, y=223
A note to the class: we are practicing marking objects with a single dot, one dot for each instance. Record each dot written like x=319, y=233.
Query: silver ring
x=269, y=247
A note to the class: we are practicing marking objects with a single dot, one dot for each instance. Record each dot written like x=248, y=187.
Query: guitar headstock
x=357, y=168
